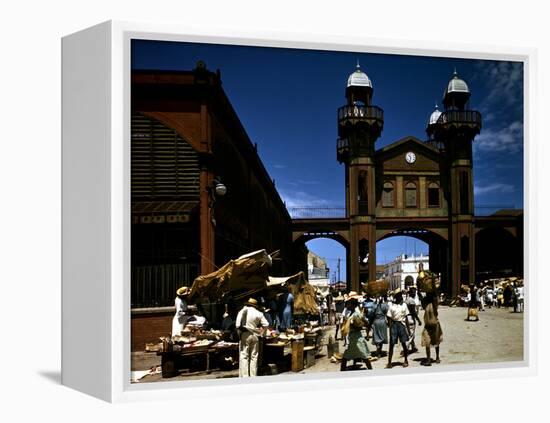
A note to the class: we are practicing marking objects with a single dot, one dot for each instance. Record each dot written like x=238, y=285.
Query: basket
x=377, y=288
x=426, y=284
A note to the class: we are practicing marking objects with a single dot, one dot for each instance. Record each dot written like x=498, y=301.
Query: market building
x=417, y=188
x=200, y=195
x=403, y=271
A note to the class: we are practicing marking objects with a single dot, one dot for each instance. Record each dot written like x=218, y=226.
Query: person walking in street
x=357, y=344
x=412, y=319
x=181, y=317
x=380, y=326
x=473, y=304
x=251, y=324
x=515, y=298
x=432, y=335
x=397, y=315
x=339, y=307
x=368, y=309
x=520, y=298
x=507, y=296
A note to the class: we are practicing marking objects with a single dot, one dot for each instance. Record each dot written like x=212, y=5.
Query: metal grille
x=163, y=164
x=155, y=286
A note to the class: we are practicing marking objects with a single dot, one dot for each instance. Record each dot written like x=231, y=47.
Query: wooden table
x=169, y=358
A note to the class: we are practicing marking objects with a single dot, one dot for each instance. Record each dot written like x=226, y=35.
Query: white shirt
x=255, y=320
x=398, y=312
x=181, y=308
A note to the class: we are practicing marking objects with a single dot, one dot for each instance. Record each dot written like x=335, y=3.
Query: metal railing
x=155, y=286
x=360, y=112
x=460, y=116
x=339, y=212
x=316, y=212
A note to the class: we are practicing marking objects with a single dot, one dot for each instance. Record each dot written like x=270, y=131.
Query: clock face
x=410, y=157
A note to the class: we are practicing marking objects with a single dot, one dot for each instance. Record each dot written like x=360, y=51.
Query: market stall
x=221, y=294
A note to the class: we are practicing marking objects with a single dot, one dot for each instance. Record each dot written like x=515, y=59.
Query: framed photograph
x=243, y=213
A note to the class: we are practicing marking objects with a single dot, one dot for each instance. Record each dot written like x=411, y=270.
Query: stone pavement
x=496, y=337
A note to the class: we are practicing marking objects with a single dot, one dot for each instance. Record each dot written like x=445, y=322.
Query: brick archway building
x=422, y=189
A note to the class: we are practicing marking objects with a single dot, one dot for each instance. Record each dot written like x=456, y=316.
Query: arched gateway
x=410, y=187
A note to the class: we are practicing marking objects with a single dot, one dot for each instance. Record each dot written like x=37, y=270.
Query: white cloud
x=302, y=199
x=493, y=188
x=279, y=166
x=504, y=82
x=507, y=139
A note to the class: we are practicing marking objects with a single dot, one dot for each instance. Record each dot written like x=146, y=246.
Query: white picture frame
x=96, y=227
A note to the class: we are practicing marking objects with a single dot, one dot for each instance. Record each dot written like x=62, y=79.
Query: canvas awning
x=248, y=272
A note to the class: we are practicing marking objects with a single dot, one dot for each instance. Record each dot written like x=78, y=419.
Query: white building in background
x=317, y=271
x=403, y=271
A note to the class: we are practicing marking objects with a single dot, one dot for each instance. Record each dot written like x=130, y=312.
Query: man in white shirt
x=251, y=324
x=397, y=317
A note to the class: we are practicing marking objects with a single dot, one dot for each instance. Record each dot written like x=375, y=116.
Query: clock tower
x=359, y=126
x=454, y=130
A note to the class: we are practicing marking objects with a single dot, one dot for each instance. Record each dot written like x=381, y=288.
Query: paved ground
x=496, y=337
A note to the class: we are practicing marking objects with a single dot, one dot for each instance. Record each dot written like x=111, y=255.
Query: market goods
x=429, y=282
x=378, y=287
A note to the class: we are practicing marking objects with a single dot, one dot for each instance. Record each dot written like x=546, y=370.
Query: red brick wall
x=148, y=327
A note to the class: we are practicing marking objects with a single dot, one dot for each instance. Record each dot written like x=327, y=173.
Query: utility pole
x=338, y=267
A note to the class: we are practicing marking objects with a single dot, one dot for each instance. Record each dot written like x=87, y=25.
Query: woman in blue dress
x=286, y=305
x=380, y=326
x=358, y=348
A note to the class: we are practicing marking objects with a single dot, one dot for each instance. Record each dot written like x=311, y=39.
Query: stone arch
x=498, y=253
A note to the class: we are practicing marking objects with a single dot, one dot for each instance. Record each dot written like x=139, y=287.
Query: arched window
x=433, y=195
x=362, y=192
x=464, y=193
x=410, y=195
x=388, y=195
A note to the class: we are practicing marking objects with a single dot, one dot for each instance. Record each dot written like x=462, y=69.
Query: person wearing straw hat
x=251, y=324
x=397, y=315
x=180, y=318
x=358, y=348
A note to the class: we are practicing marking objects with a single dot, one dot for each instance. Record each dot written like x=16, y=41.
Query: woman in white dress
x=180, y=318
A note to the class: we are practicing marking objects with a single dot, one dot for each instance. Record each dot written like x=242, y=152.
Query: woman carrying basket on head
x=432, y=335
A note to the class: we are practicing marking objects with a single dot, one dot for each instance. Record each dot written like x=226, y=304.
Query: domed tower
x=431, y=129
x=359, y=126
x=456, y=128
x=457, y=94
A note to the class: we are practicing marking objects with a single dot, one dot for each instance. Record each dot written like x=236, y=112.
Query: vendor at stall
x=181, y=317
x=251, y=325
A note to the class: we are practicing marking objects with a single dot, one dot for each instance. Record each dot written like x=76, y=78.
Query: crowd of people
x=390, y=319
x=387, y=320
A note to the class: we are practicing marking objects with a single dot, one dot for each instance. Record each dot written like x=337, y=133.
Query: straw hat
x=252, y=302
x=354, y=296
x=184, y=290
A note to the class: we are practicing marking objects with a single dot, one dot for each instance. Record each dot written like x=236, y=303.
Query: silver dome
x=434, y=116
x=457, y=85
x=359, y=79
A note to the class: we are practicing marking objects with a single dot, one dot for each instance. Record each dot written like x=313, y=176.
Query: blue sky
x=287, y=101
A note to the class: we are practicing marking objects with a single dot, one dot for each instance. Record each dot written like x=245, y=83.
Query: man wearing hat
x=251, y=324
x=180, y=318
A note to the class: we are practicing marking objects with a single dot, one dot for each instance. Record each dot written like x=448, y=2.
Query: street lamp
x=217, y=189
